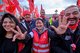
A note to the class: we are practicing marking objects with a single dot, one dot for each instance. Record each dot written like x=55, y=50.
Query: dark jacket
x=61, y=43
x=24, y=28
x=28, y=45
x=8, y=46
x=46, y=23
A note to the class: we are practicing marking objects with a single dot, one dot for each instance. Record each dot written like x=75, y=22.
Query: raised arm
x=63, y=25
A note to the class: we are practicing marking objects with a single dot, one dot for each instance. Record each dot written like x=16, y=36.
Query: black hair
x=40, y=19
x=11, y=17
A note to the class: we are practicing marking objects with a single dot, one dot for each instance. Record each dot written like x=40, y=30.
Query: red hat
x=26, y=12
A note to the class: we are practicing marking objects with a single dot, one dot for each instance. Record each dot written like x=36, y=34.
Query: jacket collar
x=44, y=29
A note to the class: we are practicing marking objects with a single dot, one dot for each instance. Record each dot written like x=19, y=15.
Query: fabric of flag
x=17, y=6
x=36, y=12
x=11, y=7
x=1, y=6
x=31, y=5
x=78, y=3
x=5, y=1
x=22, y=12
x=41, y=7
x=16, y=2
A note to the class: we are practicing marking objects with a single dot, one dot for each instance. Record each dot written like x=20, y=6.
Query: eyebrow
x=73, y=11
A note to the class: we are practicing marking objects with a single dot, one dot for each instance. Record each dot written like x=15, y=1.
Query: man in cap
x=25, y=26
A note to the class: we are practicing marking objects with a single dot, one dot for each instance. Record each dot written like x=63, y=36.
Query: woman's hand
x=18, y=34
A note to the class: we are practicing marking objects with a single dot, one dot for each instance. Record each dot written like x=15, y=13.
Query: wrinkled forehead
x=71, y=9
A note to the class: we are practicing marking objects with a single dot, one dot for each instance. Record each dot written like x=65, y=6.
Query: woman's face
x=39, y=24
x=8, y=24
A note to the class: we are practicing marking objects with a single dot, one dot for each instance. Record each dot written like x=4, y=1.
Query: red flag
x=41, y=7
x=16, y=2
x=36, y=12
x=19, y=9
x=31, y=5
x=1, y=6
x=17, y=6
x=22, y=12
x=5, y=1
x=78, y=3
x=1, y=10
x=41, y=12
x=11, y=7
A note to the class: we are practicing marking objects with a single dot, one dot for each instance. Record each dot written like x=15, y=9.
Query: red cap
x=26, y=12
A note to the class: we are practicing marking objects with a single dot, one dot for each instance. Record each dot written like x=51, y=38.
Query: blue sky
x=51, y=5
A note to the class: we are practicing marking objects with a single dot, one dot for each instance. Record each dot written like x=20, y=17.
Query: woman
x=40, y=36
x=8, y=21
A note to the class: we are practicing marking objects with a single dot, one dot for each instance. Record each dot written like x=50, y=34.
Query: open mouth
x=72, y=19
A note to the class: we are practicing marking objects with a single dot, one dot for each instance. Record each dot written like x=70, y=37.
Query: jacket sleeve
x=28, y=36
x=53, y=43
x=59, y=50
x=51, y=34
x=54, y=47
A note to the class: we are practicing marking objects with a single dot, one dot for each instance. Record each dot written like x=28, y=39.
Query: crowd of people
x=37, y=35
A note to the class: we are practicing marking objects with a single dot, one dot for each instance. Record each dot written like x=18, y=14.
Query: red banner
x=31, y=5
x=78, y=3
